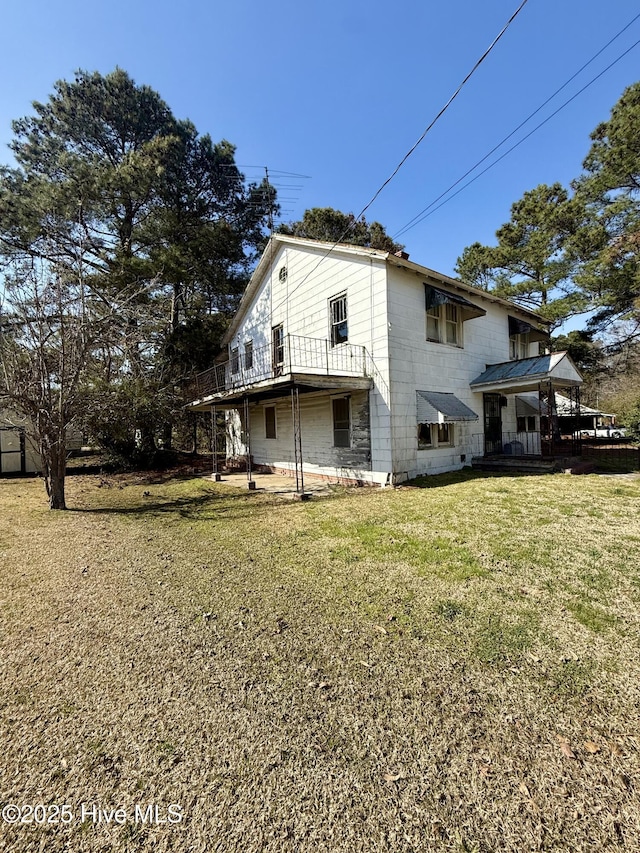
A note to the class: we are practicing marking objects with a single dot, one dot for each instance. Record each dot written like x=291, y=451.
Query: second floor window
x=518, y=346
x=235, y=360
x=338, y=319
x=248, y=355
x=444, y=324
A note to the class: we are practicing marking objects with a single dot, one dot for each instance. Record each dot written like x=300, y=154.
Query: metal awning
x=526, y=374
x=527, y=406
x=434, y=296
x=437, y=407
x=521, y=327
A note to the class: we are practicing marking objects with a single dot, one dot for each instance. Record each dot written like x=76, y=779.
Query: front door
x=492, y=424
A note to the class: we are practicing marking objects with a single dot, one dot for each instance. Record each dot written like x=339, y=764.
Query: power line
x=411, y=150
x=445, y=107
x=427, y=211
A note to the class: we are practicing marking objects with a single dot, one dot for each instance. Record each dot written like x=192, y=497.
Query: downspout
x=392, y=475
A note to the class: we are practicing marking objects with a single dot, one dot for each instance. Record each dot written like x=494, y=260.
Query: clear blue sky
x=340, y=90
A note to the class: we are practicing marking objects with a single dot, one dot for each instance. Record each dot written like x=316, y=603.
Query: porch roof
x=527, y=374
x=279, y=387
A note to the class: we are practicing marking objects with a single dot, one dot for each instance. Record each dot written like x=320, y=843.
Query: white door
x=11, y=451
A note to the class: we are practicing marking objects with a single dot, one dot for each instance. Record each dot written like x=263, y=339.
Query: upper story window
x=521, y=335
x=235, y=360
x=338, y=320
x=248, y=355
x=444, y=324
x=519, y=346
x=446, y=312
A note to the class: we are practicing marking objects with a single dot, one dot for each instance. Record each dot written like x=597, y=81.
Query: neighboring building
x=360, y=365
x=590, y=422
x=18, y=455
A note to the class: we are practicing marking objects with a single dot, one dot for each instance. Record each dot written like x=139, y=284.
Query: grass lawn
x=447, y=668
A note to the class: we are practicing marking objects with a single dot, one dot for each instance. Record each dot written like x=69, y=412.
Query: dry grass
x=447, y=668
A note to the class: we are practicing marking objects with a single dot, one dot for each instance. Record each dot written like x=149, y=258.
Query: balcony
x=297, y=358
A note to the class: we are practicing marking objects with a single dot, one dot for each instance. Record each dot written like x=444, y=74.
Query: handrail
x=296, y=353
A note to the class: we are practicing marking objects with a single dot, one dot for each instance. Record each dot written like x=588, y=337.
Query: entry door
x=492, y=424
x=12, y=451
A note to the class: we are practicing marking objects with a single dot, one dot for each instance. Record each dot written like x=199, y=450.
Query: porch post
x=214, y=443
x=576, y=434
x=251, y=484
x=297, y=442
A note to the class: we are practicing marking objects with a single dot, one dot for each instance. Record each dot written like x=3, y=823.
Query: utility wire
x=445, y=107
x=427, y=211
x=409, y=152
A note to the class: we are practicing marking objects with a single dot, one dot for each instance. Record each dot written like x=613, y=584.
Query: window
x=451, y=323
x=519, y=346
x=235, y=360
x=444, y=324
x=270, y=422
x=424, y=436
x=248, y=355
x=433, y=323
x=435, y=435
x=526, y=423
x=445, y=434
x=341, y=422
x=277, y=348
x=338, y=320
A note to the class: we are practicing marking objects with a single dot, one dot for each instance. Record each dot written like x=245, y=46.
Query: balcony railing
x=296, y=354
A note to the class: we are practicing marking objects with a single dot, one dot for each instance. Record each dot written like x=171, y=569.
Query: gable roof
x=434, y=277
x=526, y=373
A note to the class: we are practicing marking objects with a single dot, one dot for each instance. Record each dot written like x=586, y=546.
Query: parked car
x=603, y=432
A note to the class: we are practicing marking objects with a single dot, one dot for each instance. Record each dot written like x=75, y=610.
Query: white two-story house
x=362, y=366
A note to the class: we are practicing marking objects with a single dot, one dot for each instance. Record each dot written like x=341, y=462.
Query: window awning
x=527, y=406
x=434, y=296
x=436, y=407
x=521, y=327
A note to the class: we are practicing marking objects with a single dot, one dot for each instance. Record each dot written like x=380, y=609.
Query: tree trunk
x=54, y=476
x=167, y=436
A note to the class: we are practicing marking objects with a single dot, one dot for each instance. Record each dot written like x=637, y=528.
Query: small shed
x=18, y=455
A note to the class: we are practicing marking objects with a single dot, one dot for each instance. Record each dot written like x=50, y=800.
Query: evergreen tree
x=129, y=207
x=333, y=226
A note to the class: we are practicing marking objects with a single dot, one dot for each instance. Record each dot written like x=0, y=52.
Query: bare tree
x=52, y=329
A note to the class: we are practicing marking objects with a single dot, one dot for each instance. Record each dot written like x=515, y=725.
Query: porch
x=521, y=411
x=268, y=396
x=307, y=361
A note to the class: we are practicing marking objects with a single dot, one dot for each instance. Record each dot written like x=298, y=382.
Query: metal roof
x=524, y=374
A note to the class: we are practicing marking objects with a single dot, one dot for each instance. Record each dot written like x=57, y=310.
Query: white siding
x=386, y=317
x=301, y=303
x=418, y=364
